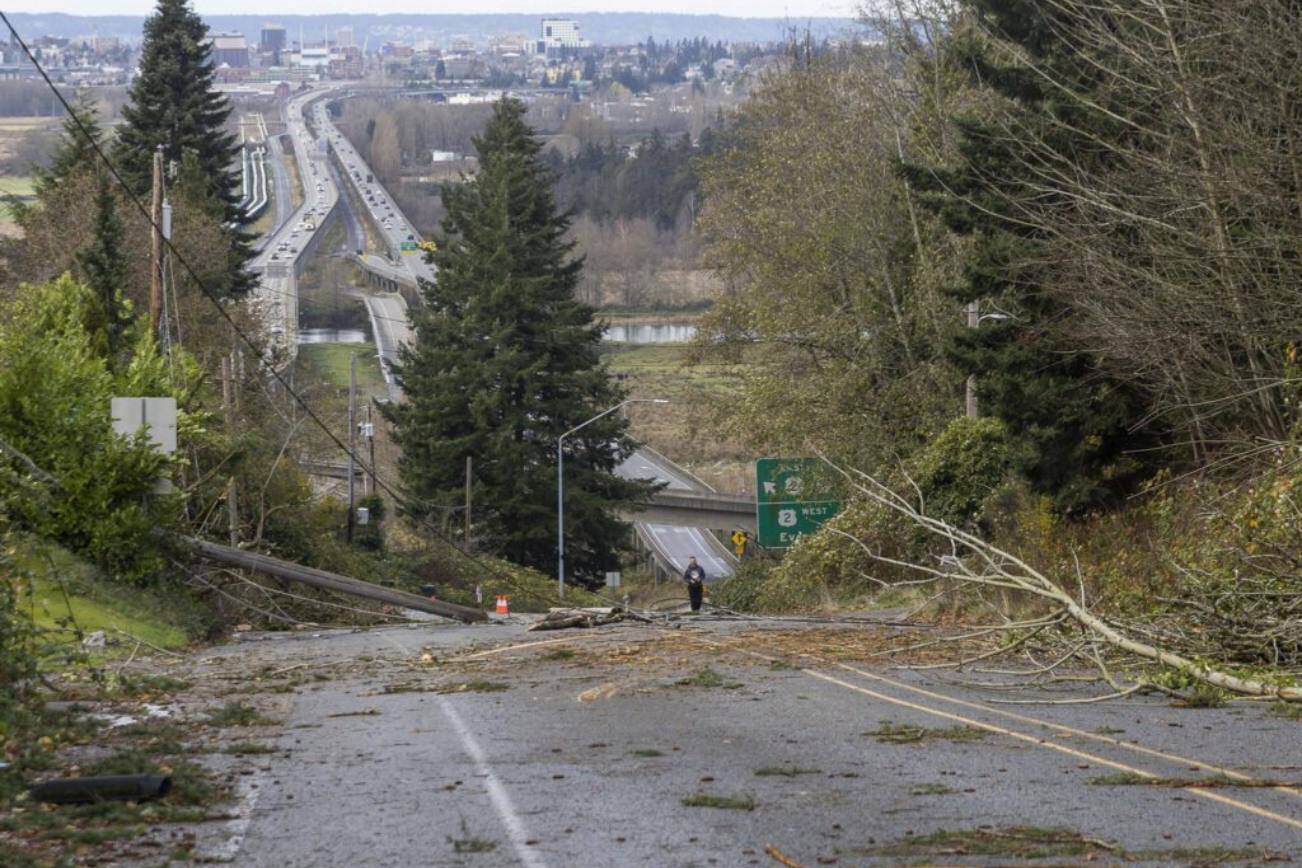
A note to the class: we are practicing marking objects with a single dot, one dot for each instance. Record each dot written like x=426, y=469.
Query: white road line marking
x=1132, y=746
x=501, y=800
x=1063, y=728
x=1021, y=736
x=1050, y=745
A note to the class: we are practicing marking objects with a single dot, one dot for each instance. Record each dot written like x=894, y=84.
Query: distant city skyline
x=735, y=8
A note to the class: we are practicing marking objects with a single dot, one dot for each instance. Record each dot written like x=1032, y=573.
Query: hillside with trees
x=1089, y=213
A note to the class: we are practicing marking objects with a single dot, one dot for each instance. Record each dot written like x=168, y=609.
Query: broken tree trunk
x=564, y=619
x=995, y=567
x=327, y=581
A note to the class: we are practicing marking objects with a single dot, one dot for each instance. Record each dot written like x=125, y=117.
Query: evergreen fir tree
x=1071, y=421
x=74, y=151
x=105, y=269
x=504, y=361
x=174, y=104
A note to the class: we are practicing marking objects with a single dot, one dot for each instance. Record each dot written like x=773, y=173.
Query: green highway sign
x=787, y=502
x=407, y=246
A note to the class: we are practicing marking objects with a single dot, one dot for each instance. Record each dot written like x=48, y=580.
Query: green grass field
x=19, y=186
x=328, y=364
x=22, y=186
x=687, y=429
x=22, y=123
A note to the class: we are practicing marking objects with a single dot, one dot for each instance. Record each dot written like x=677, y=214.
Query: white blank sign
x=156, y=415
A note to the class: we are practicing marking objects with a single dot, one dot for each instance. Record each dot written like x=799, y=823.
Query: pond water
x=650, y=333
x=333, y=336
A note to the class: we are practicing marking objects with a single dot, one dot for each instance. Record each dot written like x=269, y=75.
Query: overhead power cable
x=135, y=200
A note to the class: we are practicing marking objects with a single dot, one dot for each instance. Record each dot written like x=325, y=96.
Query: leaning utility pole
x=156, y=250
x=352, y=438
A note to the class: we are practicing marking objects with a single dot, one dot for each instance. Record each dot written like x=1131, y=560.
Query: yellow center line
x=1202, y=792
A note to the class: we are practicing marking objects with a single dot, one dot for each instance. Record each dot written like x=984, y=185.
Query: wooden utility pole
x=973, y=321
x=156, y=250
x=228, y=404
x=466, y=541
x=372, y=486
x=328, y=581
x=352, y=439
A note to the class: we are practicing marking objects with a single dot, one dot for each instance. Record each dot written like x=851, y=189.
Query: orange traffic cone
x=502, y=607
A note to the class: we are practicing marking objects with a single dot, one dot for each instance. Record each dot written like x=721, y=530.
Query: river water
x=647, y=333
x=650, y=333
x=333, y=336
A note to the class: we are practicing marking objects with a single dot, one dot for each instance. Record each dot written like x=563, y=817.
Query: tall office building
x=273, y=42
x=344, y=38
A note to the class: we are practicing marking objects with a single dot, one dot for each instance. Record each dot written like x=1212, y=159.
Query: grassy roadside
x=291, y=166
x=18, y=187
x=67, y=598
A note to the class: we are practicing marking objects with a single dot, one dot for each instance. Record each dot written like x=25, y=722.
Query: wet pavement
x=486, y=745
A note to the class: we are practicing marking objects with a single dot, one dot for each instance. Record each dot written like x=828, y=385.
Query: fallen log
x=325, y=580
x=565, y=619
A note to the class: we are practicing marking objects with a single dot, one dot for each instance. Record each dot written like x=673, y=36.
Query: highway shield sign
x=789, y=501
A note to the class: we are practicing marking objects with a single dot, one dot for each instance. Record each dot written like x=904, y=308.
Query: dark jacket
x=694, y=574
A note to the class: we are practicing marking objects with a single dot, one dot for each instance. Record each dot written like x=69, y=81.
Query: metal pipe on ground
x=74, y=791
x=328, y=581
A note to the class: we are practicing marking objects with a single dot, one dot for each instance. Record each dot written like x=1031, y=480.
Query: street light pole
x=974, y=319
x=560, y=483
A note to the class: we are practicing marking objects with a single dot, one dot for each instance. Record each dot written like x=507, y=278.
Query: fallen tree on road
x=978, y=562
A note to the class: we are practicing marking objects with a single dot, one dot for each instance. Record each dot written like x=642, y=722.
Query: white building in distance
x=555, y=35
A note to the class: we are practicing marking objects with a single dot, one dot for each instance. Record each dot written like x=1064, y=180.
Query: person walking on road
x=694, y=576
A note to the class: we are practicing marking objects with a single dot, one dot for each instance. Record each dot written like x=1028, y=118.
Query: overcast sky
x=740, y=8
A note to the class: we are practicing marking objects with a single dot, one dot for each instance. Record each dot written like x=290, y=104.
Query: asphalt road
x=587, y=759
x=388, y=313
x=384, y=211
x=673, y=543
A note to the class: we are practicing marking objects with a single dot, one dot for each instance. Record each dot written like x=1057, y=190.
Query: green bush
x=18, y=667
x=958, y=470
x=55, y=391
x=743, y=590
x=955, y=475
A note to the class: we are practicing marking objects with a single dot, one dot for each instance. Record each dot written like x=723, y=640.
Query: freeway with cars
x=404, y=262
x=280, y=260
